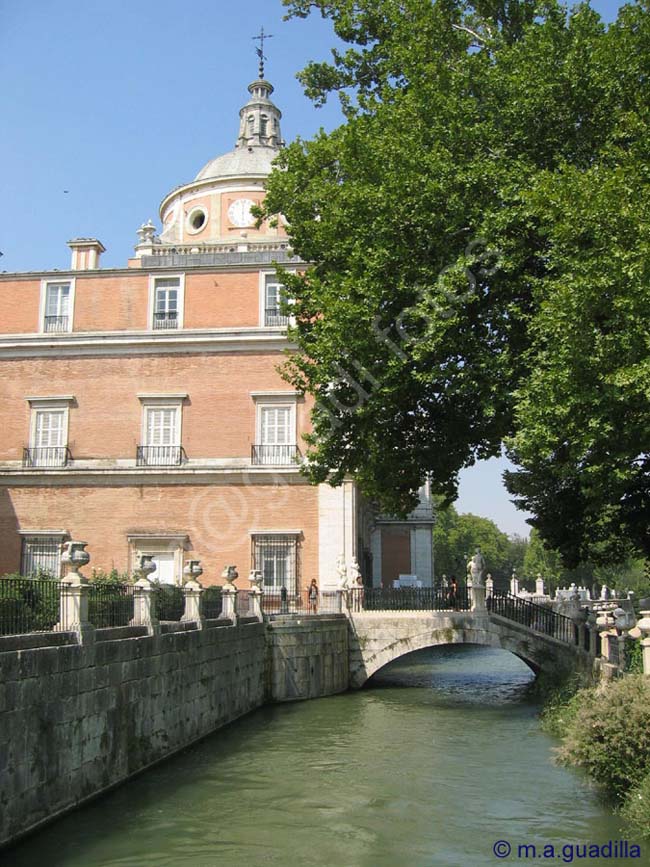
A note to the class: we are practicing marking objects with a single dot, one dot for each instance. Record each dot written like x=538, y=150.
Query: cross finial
x=260, y=50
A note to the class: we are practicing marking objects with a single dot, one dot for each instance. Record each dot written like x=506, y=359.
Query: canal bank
x=440, y=758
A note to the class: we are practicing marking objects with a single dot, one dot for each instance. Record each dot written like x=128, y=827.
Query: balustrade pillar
x=143, y=603
x=73, y=602
x=644, y=627
x=192, y=592
x=229, y=602
x=255, y=596
x=143, y=606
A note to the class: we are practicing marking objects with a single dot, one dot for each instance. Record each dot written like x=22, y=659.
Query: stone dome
x=240, y=162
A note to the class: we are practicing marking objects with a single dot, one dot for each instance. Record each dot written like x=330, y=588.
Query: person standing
x=453, y=593
x=312, y=596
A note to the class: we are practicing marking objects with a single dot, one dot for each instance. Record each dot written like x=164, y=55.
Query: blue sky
x=117, y=103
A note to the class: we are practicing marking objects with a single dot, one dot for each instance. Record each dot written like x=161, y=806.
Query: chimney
x=85, y=253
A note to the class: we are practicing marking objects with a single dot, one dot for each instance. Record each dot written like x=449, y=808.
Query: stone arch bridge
x=551, y=643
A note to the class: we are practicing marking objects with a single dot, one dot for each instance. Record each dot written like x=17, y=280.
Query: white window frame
x=276, y=400
x=262, y=298
x=292, y=539
x=29, y=536
x=162, y=401
x=153, y=278
x=43, y=304
x=50, y=404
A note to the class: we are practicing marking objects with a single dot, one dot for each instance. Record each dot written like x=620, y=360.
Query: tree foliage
x=455, y=538
x=479, y=228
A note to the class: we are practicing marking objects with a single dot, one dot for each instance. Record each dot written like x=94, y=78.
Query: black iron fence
x=243, y=603
x=28, y=605
x=613, y=650
x=303, y=602
x=110, y=605
x=535, y=617
x=280, y=455
x=408, y=599
x=160, y=456
x=51, y=456
x=169, y=601
x=212, y=602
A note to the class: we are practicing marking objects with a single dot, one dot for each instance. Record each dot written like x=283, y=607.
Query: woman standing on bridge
x=312, y=596
x=453, y=593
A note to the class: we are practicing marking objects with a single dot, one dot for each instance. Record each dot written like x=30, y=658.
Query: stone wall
x=308, y=658
x=76, y=720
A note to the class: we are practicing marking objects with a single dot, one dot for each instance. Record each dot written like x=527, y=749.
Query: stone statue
x=354, y=574
x=476, y=568
x=342, y=572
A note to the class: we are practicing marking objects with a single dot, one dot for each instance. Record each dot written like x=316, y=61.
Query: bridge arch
x=375, y=641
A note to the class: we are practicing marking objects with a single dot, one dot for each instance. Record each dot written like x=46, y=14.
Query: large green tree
x=479, y=229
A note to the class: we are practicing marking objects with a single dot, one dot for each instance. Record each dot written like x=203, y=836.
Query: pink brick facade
x=143, y=410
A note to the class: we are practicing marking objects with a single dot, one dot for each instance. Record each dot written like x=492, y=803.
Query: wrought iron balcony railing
x=273, y=316
x=56, y=323
x=160, y=456
x=275, y=455
x=52, y=456
x=165, y=321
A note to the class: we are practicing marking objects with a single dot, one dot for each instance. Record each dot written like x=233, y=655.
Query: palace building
x=144, y=413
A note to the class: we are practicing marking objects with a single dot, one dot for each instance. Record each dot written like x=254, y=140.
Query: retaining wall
x=308, y=657
x=76, y=720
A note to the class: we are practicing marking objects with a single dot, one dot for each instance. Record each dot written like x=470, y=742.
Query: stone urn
x=230, y=575
x=255, y=577
x=75, y=556
x=147, y=567
x=193, y=570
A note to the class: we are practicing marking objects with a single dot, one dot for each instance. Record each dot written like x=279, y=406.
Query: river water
x=440, y=758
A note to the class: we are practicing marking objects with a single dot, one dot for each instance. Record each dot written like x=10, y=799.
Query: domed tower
x=212, y=213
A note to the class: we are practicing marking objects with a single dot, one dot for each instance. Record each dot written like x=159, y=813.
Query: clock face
x=239, y=213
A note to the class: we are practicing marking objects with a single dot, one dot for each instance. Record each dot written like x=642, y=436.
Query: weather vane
x=260, y=50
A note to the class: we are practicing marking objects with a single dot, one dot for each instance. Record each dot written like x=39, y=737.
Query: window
x=56, y=307
x=276, y=557
x=167, y=296
x=41, y=553
x=273, y=295
x=196, y=220
x=161, y=431
x=276, y=432
x=48, y=436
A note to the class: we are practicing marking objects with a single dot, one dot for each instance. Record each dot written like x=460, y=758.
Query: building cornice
x=121, y=475
x=215, y=340
x=157, y=263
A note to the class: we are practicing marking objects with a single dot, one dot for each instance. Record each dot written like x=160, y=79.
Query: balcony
x=48, y=458
x=278, y=456
x=273, y=316
x=54, y=324
x=165, y=321
x=160, y=456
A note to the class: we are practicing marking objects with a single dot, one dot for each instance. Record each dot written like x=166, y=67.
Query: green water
x=440, y=759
